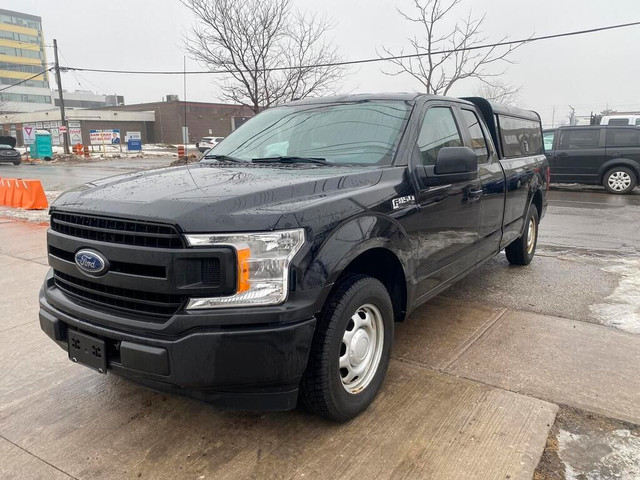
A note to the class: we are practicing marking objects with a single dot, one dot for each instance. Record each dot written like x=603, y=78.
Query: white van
x=620, y=120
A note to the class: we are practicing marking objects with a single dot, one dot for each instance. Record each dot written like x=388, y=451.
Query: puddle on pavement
x=621, y=309
x=600, y=456
x=586, y=446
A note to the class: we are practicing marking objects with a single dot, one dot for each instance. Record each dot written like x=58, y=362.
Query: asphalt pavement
x=511, y=373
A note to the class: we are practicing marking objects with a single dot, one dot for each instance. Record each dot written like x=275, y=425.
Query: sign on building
x=56, y=138
x=75, y=134
x=104, y=137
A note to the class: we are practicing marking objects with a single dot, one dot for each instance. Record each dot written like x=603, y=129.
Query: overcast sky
x=588, y=72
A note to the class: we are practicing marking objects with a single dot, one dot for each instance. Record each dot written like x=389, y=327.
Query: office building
x=22, y=55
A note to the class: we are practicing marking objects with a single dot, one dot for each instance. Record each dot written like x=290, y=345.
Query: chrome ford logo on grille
x=91, y=262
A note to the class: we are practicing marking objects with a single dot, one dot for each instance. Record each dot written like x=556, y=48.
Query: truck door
x=578, y=155
x=450, y=213
x=492, y=183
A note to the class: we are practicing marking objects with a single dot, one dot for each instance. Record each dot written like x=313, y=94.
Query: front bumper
x=254, y=366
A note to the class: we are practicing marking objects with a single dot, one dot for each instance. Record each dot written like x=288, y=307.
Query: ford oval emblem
x=91, y=262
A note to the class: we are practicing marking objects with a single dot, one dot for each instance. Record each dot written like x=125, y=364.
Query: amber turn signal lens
x=243, y=270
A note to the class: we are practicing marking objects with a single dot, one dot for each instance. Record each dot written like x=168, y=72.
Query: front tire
x=619, y=180
x=521, y=251
x=351, y=350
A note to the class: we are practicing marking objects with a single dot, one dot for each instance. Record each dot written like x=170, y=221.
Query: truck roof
x=360, y=97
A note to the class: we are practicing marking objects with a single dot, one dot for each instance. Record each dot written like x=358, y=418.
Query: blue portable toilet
x=42, y=147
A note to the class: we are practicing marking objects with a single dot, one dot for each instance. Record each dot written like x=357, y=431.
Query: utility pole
x=61, y=98
x=185, y=128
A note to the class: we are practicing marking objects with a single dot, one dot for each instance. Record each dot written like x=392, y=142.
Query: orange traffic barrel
x=181, y=151
x=86, y=151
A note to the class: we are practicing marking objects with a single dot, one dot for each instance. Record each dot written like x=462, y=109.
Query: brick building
x=203, y=119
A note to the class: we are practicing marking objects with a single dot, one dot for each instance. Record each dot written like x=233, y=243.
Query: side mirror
x=453, y=164
x=456, y=160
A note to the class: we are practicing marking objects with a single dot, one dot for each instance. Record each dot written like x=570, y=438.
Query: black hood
x=11, y=141
x=209, y=198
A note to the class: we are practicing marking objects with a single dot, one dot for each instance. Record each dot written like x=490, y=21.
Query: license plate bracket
x=87, y=350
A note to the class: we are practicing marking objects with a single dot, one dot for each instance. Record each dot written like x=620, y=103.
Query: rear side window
x=618, y=121
x=438, y=130
x=637, y=121
x=580, y=139
x=520, y=137
x=478, y=142
x=623, y=137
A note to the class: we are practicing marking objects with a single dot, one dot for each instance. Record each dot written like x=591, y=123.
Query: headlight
x=263, y=266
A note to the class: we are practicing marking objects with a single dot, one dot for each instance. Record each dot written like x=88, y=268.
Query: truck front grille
x=132, y=301
x=113, y=230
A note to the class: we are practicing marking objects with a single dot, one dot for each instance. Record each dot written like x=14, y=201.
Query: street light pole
x=61, y=98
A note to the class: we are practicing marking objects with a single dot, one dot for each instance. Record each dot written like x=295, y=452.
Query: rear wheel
x=619, y=180
x=351, y=350
x=521, y=251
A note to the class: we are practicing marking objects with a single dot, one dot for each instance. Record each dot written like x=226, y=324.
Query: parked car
x=208, y=143
x=620, y=120
x=8, y=152
x=597, y=155
x=274, y=269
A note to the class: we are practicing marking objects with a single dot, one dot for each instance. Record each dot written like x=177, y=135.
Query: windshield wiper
x=224, y=158
x=291, y=159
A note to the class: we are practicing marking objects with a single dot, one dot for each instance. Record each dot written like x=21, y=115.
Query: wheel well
x=383, y=265
x=537, y=201
x=635, y=171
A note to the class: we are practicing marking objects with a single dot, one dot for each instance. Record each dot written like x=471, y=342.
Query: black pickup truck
x=273, y=270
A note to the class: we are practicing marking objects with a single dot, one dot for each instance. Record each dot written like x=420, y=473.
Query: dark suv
x=604, y=155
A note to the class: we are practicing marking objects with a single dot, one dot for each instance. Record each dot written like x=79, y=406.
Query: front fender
x=353, y=237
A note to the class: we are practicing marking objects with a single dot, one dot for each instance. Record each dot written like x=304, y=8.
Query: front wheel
x=521, y=251
x=350, y=351
x=619, y=180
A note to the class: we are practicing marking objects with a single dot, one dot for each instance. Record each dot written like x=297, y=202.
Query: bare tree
x=500, y=92
x=253, y=42
x=438, y=72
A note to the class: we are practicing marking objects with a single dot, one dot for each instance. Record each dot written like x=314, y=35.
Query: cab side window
x=438, y=130
x=548, y=140
x=478, y=142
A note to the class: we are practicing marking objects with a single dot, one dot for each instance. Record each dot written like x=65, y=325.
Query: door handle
x=474, y=195
x=562, y=154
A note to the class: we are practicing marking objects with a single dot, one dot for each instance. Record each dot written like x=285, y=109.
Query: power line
x=26, y=80
x=367, y=60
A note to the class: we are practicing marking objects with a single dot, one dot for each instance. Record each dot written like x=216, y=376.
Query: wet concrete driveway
x=477, y=378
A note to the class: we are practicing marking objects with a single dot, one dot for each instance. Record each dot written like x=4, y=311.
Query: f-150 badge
x=401, y=201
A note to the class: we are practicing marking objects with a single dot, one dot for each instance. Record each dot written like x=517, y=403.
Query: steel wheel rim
x=531, y=236
x=361, y=349
x=619, y=181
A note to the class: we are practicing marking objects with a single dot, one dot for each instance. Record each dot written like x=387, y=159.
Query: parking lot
x=512, y=372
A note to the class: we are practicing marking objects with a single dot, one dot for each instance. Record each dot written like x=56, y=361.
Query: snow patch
x=613, y=455
x=621, y=309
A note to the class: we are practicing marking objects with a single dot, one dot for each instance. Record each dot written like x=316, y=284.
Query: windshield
x=3, y=146
x=365, y=133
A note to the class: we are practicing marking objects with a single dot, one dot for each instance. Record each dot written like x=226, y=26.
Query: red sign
x=28, y=130
x=63, y=129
